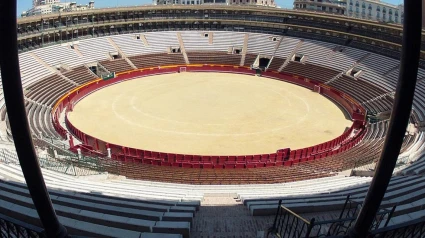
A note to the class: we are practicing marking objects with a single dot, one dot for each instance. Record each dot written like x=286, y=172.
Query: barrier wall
x=282, y=157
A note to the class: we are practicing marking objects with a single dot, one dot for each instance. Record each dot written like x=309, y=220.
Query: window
x=384, y=10
x=351, y=2
x=363, y=5
x=378, y=9
x=396, y=19
x=370, y=6
x=390, y=11
x=357, y=4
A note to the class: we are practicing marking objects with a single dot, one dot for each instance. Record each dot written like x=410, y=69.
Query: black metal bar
x=13, y=94
x=399, y=117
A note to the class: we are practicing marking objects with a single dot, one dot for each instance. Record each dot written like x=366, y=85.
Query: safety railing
x=289, y=224
x=410, y=229
x=10, y=227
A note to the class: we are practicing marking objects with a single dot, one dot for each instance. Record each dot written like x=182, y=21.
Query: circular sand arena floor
x=209, y=114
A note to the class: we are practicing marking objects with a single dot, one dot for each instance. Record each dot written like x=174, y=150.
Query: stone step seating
x=249, y=59
x=97, y=204
x=48, y=90
x=117, y=65
x=286, y=47
x=262, y=44
x=417, y=168
x=39, y=120
x=31, y=70
x=213, y=57
x=92, y=218
x=316, y=51
x=311, y=185
x=155, y=60
x=380, y=105
x=407, y=192
x=276, y=63
x=216, y=176
x=310, y=71
x=351, y=86
x=80, y=75
x=221, y=41
x=58, y=181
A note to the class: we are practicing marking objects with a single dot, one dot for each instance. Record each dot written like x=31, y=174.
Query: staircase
x=144, y=40
x=43, y=63
x=209, y=220
x=391, y=94
x=391, y=70
x=67, y=79
x=360, y=60
x=77, y=50
x=210, y=38
x=293, y=52
x=124, y=56
x=179, y=37
x=244, y=49
x=335, y=78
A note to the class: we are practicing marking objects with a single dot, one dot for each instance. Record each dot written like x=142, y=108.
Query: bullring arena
x=209, y=114
x=211, y=121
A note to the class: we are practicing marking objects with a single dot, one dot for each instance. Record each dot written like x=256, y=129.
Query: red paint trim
x=280, y=158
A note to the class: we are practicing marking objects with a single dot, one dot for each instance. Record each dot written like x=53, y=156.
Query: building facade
x=42, y=7
x=329, y=6
x=36, y=3
x=375, y=10
x=269, y=3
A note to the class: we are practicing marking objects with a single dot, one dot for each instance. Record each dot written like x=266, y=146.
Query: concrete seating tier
x=310, y=71
x=286, y=46
x=48, y=90
x=95, y=49
x=317, y=52
x=262, y=44
x=351, y=86
x=249, y=59
x=59, y=54
x=31, y=70
x=276, y=63
x=118, y=65
x=344, y=57
x=155, y=60
x=39, y=120
x=213, y=57
x=214, y=41
x=80, y=75
x=89, y=211
x=405, y=192
x=380, y=105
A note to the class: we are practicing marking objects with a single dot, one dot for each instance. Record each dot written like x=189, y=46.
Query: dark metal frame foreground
x=399, y=117
x=10, y=227
x=14, y=98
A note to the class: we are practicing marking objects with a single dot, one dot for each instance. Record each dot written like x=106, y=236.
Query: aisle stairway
x=225, y=217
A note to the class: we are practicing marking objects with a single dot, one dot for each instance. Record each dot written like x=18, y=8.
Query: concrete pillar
x=79, y=153
x=55, y=154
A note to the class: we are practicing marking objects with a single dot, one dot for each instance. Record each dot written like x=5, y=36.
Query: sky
x=26, y=4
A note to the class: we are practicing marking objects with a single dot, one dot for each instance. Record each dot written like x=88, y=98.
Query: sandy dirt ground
x=209, y=114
